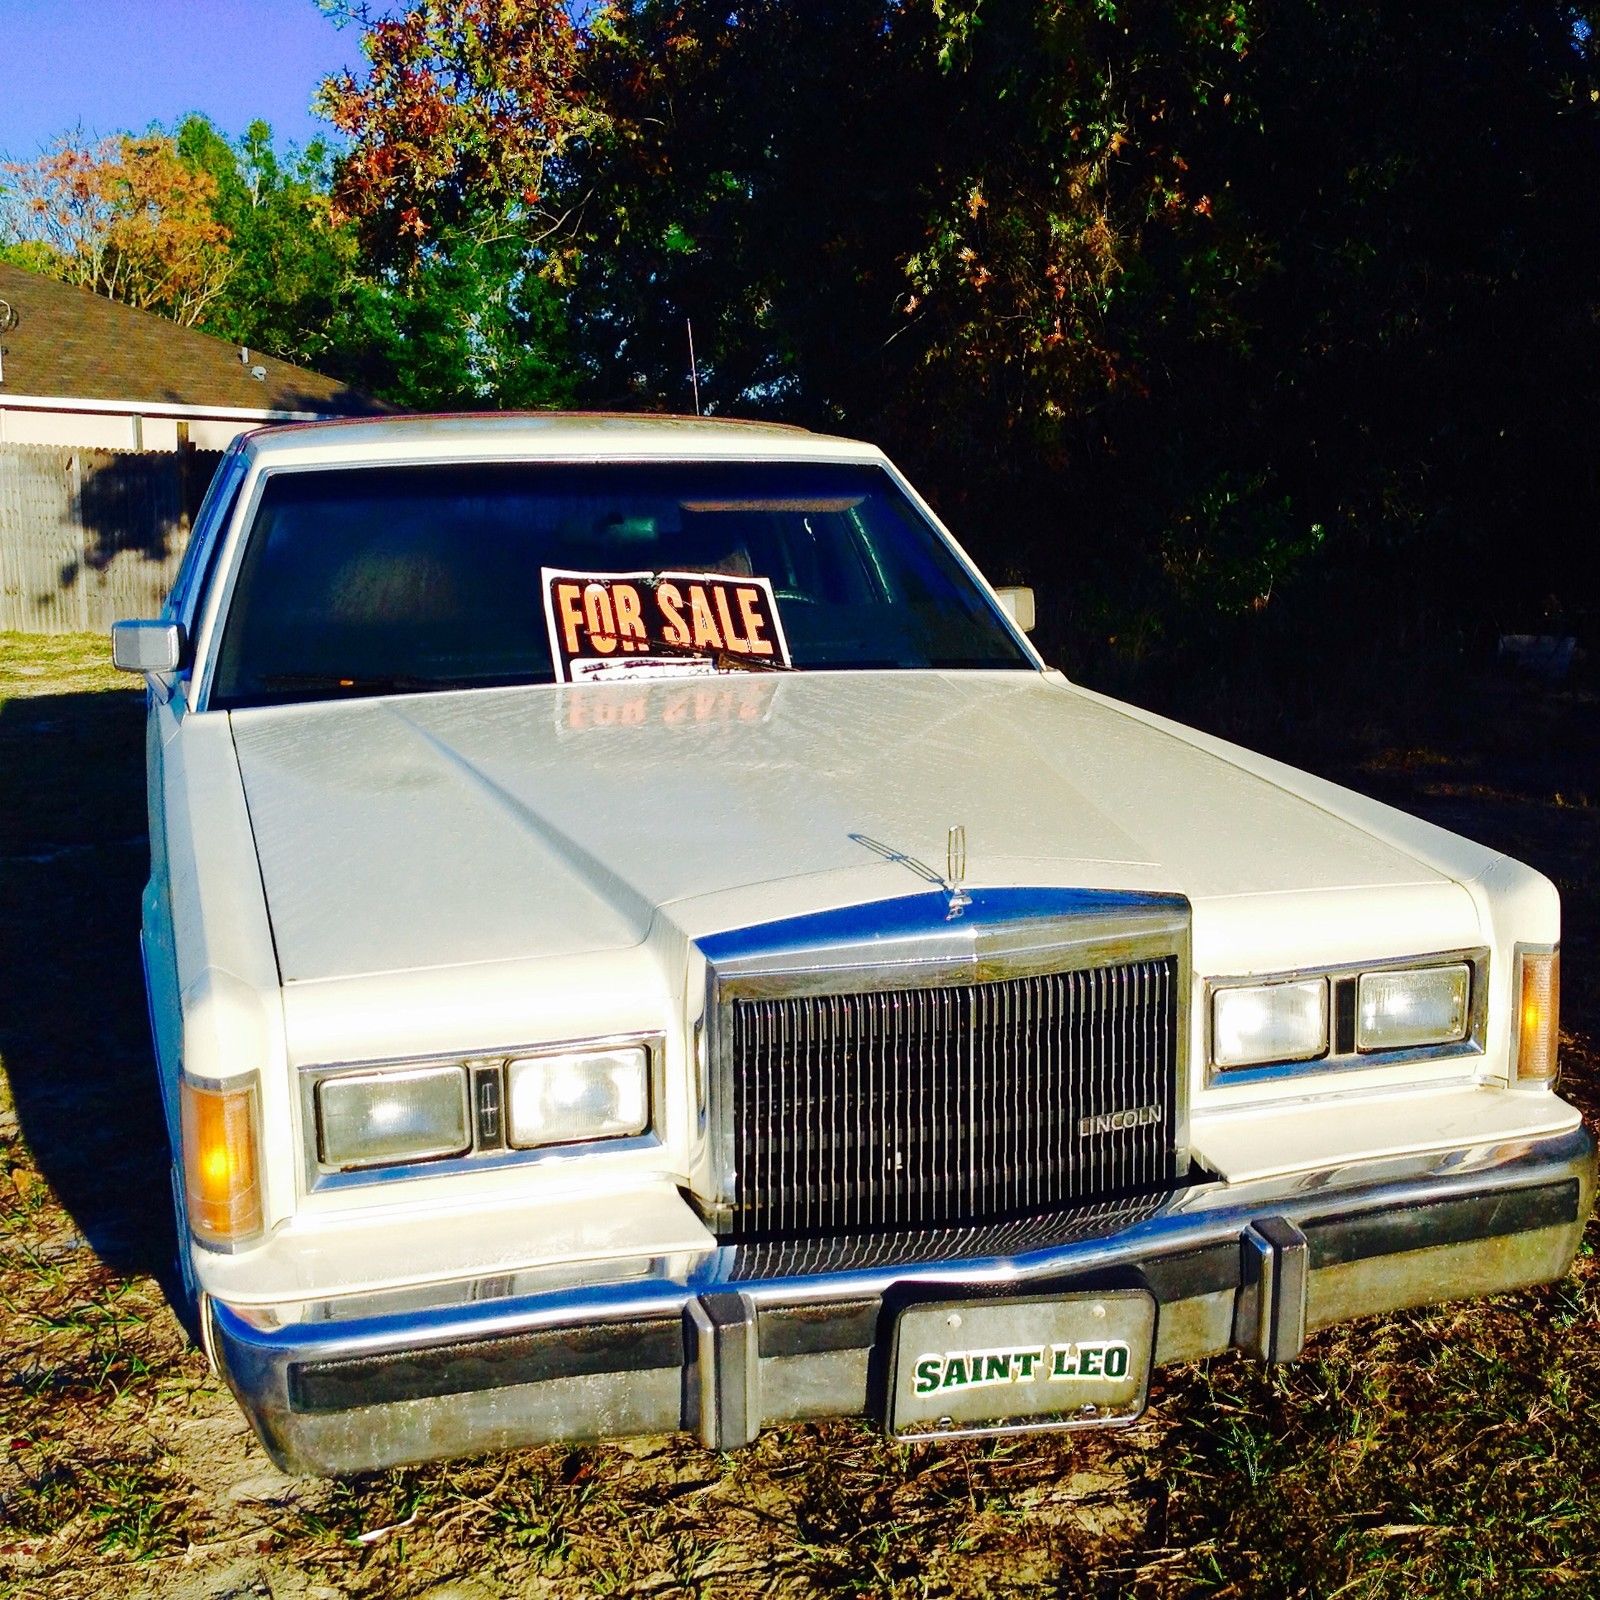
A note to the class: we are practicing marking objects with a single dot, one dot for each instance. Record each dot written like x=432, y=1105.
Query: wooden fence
x=88, y=536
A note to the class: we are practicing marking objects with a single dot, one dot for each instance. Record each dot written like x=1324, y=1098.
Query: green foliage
x=472, y=324
x=469, y=328
x=772, y=206
x=1189, y=310
x=461, y=107
x=1214, y=318
x=990, y=236
x=292, y=267
x=33, y=255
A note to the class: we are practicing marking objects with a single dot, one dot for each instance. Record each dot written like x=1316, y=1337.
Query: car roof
x=548, y=435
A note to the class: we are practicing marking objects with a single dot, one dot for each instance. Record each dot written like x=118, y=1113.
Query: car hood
x=434, y=830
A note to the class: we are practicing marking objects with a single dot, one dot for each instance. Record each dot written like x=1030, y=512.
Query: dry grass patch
x=1454, y=1452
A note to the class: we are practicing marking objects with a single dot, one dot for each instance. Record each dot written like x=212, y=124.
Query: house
x=79, y=370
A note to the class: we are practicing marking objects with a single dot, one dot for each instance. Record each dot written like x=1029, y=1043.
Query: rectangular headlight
x=377, y=1119
x=1266, y=1022
x=580, y=1095
x=1401, y=1009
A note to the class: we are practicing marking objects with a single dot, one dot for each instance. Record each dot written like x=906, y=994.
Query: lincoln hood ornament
x=955, y=867
x=955, y=871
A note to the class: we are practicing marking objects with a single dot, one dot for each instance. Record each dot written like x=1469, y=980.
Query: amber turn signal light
x=1538, y=1017
x=221, y=1171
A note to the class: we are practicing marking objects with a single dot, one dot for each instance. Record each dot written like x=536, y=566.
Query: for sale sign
x=611, y=625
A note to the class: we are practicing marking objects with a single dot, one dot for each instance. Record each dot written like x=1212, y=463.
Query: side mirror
x=147, y=646
x=1017, y=602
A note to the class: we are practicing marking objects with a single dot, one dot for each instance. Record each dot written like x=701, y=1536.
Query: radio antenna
x=694, y=371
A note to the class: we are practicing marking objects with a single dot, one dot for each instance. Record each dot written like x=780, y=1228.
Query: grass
x=1449, y=1452
x=71, y=663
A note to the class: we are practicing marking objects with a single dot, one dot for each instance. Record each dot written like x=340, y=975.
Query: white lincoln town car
x=638, y=940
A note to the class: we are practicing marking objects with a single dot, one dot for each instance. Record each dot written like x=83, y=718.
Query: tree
x=1206, y=312
x=464, y=105
x=33, y=255
x=126, y=217
x=467, y=328
x=452, y=132
x=293, y=267
x=1225, y=318
x=981, y=235
x=761, y=170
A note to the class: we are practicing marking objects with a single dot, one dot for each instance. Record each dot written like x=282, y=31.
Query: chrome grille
x=952, y=1104
x=806, y=1257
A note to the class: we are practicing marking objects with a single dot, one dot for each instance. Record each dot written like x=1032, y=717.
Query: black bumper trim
x=1343, y=1237
x=638, y=1345
x=818, y=1330
x=654, y=1343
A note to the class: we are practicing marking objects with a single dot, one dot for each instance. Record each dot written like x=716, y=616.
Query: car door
x=167, y=703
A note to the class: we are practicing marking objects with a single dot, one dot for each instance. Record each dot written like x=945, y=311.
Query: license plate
x=995, y=1366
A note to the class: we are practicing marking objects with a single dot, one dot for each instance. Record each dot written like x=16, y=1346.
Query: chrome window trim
x=191, y=605
x=204, y=535
x=232, y=536
x=1335, y=1061
x=1114, y=927
x=317, y=1177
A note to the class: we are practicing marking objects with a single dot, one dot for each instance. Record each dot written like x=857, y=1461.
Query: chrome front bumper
x=724, y=1342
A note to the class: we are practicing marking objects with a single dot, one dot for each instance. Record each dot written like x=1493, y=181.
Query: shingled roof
x=69, y=343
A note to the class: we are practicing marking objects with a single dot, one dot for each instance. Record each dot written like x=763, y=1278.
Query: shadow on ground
x=73, y=1035
x=1454, y=1450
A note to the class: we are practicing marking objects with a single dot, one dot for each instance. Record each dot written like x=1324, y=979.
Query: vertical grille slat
x=982, y=1080
x=760, y=1156
x=842, y=1027
x=954, y=1104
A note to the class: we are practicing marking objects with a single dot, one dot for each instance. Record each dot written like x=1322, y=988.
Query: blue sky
x=122, y=64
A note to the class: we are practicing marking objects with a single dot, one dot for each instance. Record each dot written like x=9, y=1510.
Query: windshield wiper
x=358, y=683
x=330, y=683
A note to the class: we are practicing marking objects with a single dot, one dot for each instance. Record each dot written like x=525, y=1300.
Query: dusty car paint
x=472, y=874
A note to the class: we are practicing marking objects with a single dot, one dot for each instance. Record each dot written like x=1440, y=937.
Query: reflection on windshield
x=387, y=580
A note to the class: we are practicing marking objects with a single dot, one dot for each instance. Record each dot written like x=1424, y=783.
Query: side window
x=194, y=573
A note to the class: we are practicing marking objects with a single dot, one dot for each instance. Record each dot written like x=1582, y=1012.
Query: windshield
x=379, y=580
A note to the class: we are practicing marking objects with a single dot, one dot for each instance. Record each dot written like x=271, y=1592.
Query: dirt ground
x=1451, y=1452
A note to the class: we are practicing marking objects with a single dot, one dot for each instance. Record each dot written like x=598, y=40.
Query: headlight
x=1401, y=1009
x=1269, y=1022
x=374, y=1119
x=588, y=1094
